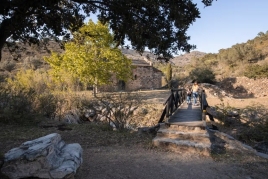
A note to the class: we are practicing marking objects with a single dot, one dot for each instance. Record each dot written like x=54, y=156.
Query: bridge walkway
x=187, y=114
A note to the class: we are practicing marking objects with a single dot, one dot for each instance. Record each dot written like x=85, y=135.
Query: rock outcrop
x=245, y=87
x=45, y=157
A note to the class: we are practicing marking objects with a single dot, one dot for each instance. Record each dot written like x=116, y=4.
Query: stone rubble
x=45, y=157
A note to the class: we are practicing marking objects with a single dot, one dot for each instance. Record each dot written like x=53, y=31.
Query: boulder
x=90, y=113
x=45, y=157
x=71, y=117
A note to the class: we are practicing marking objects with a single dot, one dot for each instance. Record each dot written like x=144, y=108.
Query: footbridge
x=183, y=126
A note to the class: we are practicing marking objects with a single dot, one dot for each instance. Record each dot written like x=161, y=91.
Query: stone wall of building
x=144, y=77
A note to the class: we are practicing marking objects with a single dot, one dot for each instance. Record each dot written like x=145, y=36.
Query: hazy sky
x=228, y=22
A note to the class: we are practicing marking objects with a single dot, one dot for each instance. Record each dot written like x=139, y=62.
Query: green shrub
x=33, y=93
x=15, y=106
x=257, y=71
x=202, y=75
x=256, y=128
x=26, y=95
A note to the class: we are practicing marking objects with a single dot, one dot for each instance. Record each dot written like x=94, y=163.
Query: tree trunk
x=95, y=90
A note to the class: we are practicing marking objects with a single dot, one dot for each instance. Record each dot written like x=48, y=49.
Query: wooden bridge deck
x=188, y=115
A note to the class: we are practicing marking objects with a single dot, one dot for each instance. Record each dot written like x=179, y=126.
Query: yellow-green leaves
x=92, y=57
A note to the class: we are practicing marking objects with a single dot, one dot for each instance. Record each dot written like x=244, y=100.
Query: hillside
x=184, y=59
x=25, y=51
x=22, y=51
x=245, y=59
x=229, y=62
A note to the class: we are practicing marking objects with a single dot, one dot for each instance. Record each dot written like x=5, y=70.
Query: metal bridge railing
x=205, y=108
x=175, y=99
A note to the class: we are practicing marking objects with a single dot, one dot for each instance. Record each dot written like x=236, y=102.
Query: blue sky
x=228, y=22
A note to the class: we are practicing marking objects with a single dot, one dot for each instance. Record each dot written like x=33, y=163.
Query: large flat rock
x=45, y=157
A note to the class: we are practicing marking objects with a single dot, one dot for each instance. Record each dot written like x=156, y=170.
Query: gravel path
x=128, y=162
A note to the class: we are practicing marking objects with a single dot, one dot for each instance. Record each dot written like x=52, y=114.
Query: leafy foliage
x=29, y=91
x=159, y=25
x=92, y=57
x=257, y=71
x=202, y=75
x=256, y=122
x=169, y=72
x=33, y=93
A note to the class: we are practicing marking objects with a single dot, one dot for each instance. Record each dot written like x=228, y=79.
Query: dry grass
x=237, y=103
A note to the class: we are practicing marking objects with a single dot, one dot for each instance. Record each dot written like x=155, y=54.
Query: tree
x=94, y=58
x=261, y=34
x=169, y=74
x=202, y=75
x=160, y=25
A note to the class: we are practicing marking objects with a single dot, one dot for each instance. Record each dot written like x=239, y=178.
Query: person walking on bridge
x=195, y=88
x=189, y=94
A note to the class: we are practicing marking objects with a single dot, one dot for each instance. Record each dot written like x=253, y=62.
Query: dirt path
x=116, y=162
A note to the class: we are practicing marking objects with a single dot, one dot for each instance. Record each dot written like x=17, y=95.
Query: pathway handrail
x=203, y=100
x=205, y=107
x=203, y=103
x=175, y=99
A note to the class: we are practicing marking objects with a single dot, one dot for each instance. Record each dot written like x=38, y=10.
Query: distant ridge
x=38, y=52
x=186, y=58
x=180, y=60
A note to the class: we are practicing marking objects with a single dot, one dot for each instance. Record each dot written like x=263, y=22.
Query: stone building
x=145, y=77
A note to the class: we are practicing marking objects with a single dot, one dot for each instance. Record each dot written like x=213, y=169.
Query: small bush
x=3, y=76
x=33, y=63
x=8, y=65
x=223, y=112
x=15, y=106
x=202, y=75
x=120, y=107
x=257, y=71
x=251, y=125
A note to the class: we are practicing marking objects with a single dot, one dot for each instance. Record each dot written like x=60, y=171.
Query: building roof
x=139, y=61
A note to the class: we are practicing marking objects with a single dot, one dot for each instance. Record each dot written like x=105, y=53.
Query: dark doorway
x=121, y=85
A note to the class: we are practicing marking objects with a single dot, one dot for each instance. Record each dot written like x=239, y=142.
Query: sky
x=226, y=23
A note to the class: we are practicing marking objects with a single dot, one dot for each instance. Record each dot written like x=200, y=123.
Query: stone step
x=183, y=128
x=182, y=146
x=193, y=136
x=189, y=124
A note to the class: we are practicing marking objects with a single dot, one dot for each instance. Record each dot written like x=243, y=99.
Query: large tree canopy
x=160, y=25
x=92, y=57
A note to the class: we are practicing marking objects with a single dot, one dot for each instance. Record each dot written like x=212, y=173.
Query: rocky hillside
x=245, y=87
x=25, y=51
x=182, y=60
x=238, y=87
